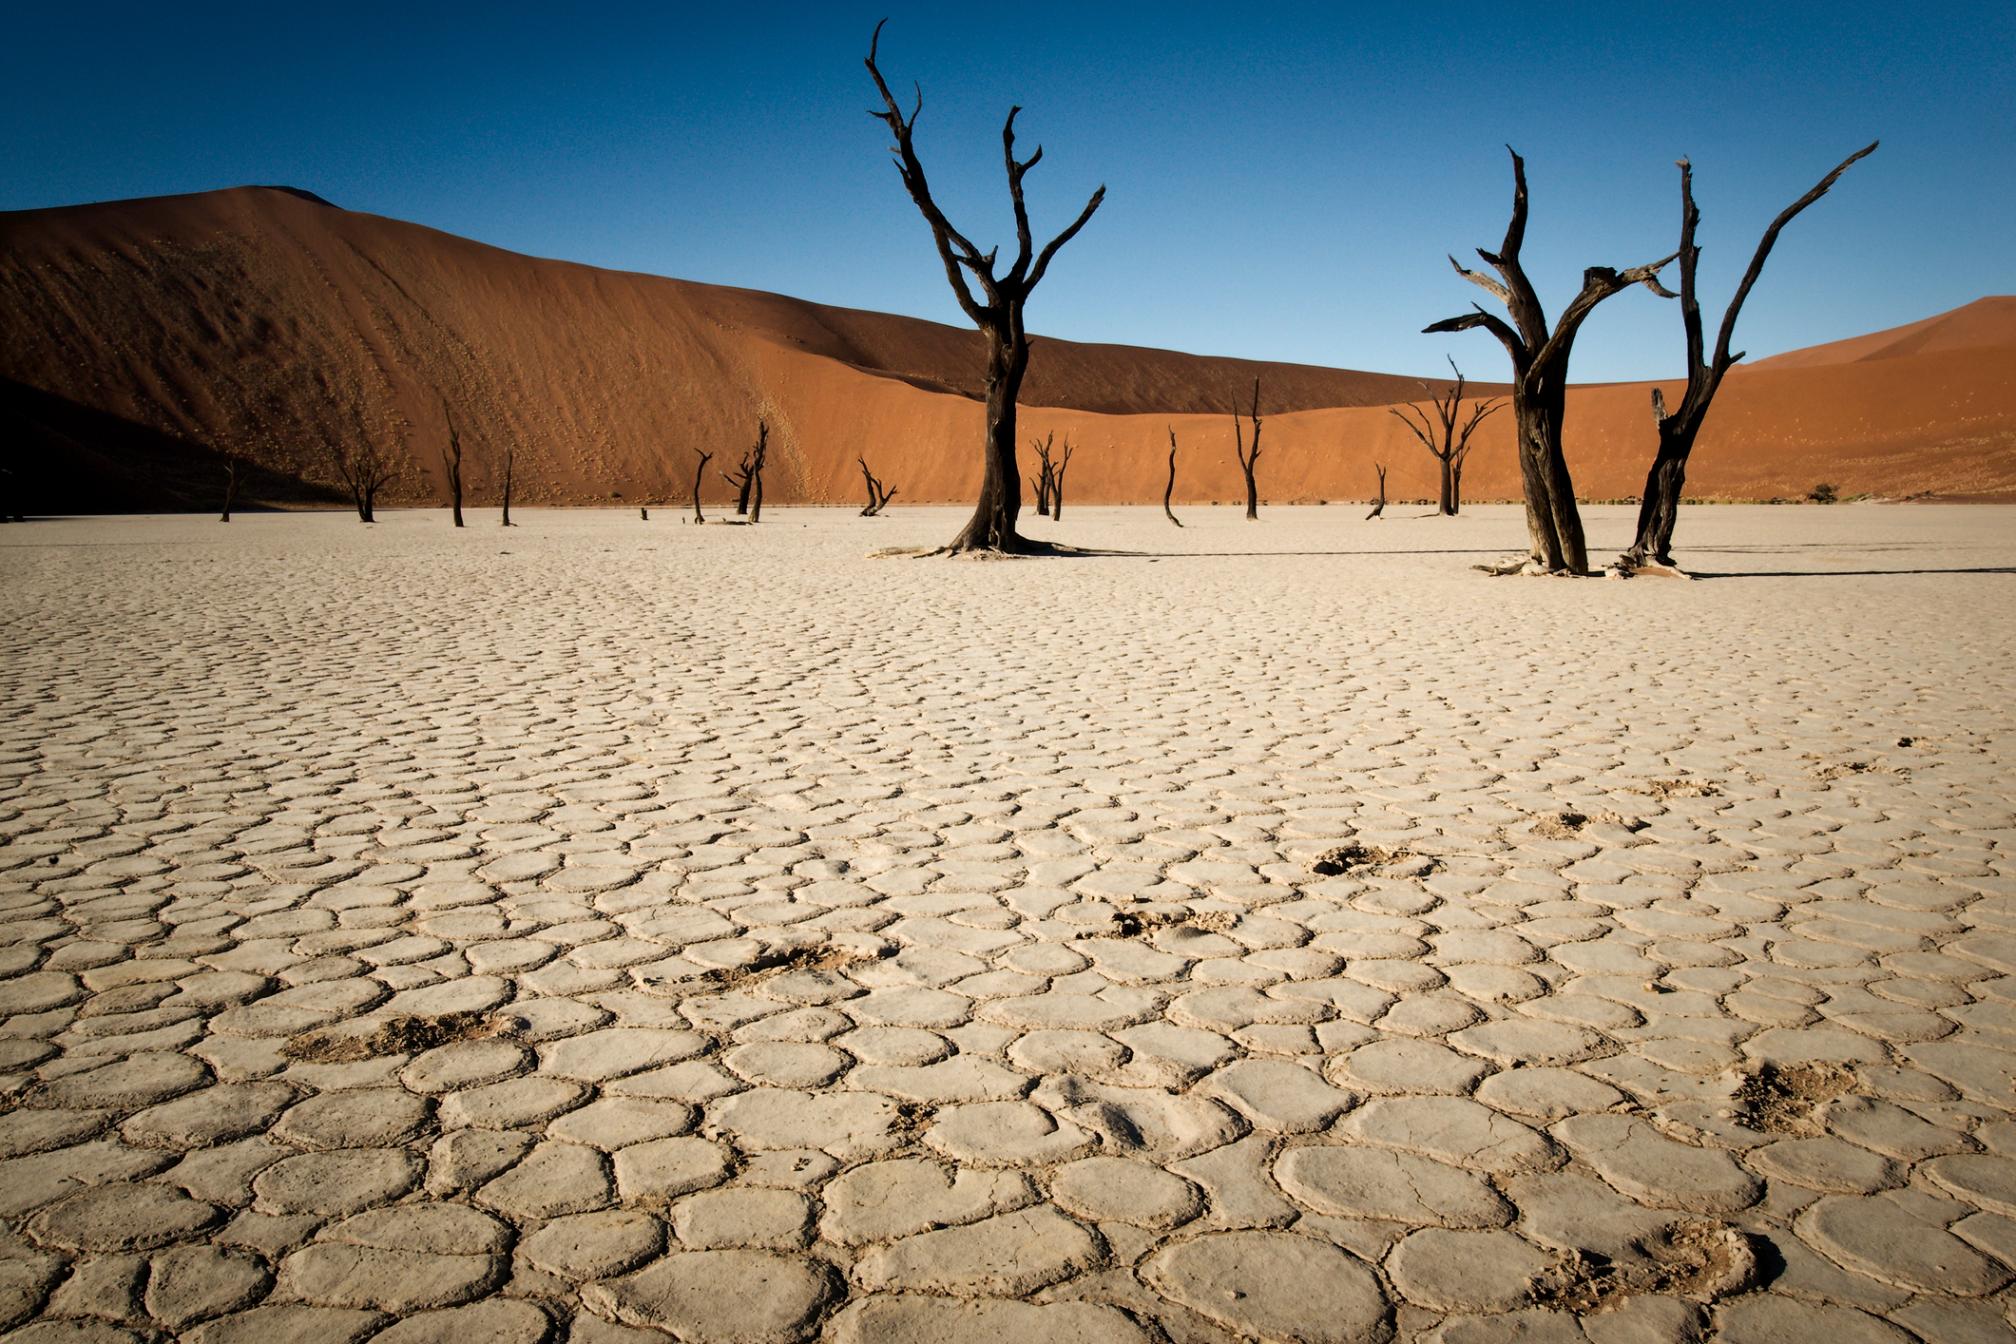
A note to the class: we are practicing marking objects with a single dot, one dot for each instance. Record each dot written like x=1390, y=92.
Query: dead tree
x=1169, y=490
x=510, y=455
x=1447, y=443
x=997, y=311
x=757, y=457
x=1247, y=458
x=1046, y=476
x=742, y=478
x=1540, y=378
x=699, y=474
x=1659, y=510
x=364, y=472
x=879, y=494
x=230, y=486
x=451, y=459
x=1057, y=482
x=1379, y=505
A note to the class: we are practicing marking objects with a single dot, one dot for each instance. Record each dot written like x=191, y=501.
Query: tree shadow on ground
x=1841, y=573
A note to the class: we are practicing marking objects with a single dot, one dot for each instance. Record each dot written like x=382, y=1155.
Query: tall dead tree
x=230, y=485
x=451, y=460
x=757, y=457
x=879, y=494
x=997, y=311
x=1540, y=377
x=1448, y=444
x=1248, y=457
x=699, y=474
x=1057, y=481
x=1169, y=490
x=1378, y=505
x=1046, y=475
x=364, y=471
x=1659, y=509
x=510, y=459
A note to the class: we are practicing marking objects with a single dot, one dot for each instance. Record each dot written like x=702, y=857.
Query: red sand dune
x=142, y=338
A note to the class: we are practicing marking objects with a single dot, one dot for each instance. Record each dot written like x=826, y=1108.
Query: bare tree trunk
x=510, y=456
x=1379, y=506
x=742, y=493
x=1057, y=483
x=1659, y=510
x=699, y=474
x=1248, y=459
x=1455, y=488
x=757, y=460
x=992, y=527
x=230, y=487
x=451, y=458
x=1169, y=490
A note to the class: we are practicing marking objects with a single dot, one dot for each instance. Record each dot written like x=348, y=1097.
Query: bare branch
x=1770, y=239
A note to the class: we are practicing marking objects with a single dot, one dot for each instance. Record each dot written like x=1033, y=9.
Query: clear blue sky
x=1283, y=179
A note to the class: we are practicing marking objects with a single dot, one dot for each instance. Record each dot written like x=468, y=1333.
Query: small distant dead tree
x=879, y=494
x=1248, y=457
x=451, y=459
x=1379, y=505
x=1659, y=509
x=643, y=513
x=1057, y=481
x=510, y=458
x=364, y=471
x=230, y=485
x=1447, y=443
x=699, y=474
x=757, y=457
x=1046, y=476
x=1540, y=377
x=997, y=311
x=1169, y=490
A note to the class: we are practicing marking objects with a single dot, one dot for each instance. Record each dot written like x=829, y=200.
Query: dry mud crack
x=725, y=937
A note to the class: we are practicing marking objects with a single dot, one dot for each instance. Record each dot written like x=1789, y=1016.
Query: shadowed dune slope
x=140, y=340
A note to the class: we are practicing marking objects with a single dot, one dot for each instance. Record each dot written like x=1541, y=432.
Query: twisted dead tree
x=364, y=471
x=997, y=311
x=1046, y=476
x=230, y=485
x=451, y=460
x=1378, y=505
x=1248, y=457
x=1057, y=481
x=879, y=494
x=1540, y=378
x=1448, y=444
x=1169, y=490
x=1659, y=509
x=757, y=457
x=510, y=459
x=699, y=474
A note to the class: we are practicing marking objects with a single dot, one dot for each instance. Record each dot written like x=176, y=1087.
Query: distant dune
x=141, y=339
